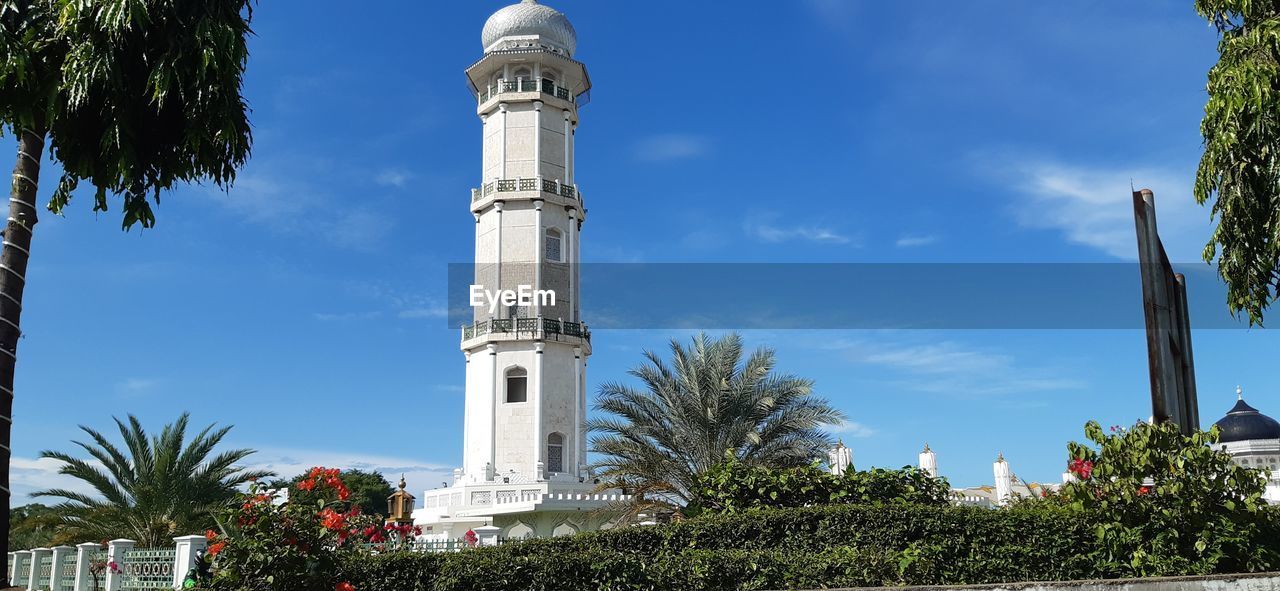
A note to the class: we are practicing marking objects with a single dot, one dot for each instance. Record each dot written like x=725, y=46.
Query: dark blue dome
x=1245, y=423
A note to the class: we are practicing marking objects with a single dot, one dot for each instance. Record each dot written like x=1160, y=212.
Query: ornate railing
x=523, y=85
x=23, y=571
x=147, y=569
x=99, y=556
x=526, y=184
x=44, y=572
x=67, y=578
x=550, y=327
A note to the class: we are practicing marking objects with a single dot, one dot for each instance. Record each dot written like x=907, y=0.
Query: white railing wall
x=67, y=568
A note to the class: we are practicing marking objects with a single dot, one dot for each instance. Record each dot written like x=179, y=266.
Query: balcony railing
x=522, y=184
x=524, y=85
x=535, y=327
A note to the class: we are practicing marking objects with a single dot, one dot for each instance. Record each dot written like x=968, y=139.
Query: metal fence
x=150, y=568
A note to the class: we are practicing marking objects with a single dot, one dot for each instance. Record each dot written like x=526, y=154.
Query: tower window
x=517, y=385
x=555, y=453
x=553, y=246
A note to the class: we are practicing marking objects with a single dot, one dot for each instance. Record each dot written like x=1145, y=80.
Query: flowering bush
x=1168, y=503
x=297, y=546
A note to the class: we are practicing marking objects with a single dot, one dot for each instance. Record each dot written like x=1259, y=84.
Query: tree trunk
x=13, y=271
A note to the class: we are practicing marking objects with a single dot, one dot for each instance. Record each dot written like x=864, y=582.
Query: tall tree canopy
x=706, y=402
x=156, y=488
x=369, y=490
x=130, y=97
x=1240, y=169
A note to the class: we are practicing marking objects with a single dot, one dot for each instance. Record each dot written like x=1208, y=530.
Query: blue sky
x=306, y=306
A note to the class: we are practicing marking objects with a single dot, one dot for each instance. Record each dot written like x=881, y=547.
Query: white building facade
x=524, y=466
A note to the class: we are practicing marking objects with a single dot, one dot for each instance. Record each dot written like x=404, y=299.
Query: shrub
x=736, y=486
x=1165, y=503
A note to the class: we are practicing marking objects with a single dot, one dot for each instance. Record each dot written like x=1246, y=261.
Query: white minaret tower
x=1004, y=481
x=526, y=360
x=840, y=459
x=929, y=461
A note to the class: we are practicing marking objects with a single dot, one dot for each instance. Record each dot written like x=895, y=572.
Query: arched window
x=564, y=529
x=517, y=385
x=555, y=254
x=519, y=531
x=555, y=453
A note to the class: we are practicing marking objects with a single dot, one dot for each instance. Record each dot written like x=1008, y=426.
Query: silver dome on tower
x=528, y=18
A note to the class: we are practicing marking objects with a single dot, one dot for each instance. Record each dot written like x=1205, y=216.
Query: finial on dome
x=402, y=483
x=1000, y=457
x=529, y=1
x=1239, y=393
x=926, y=447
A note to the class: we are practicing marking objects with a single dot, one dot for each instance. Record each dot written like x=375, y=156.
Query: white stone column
x=466, y=424
x=539, y=245
x=539, y=442
x=502, y=152
x=494, y=394
x=37, y=554
x=62, y=556
x=185, y=556
x=577, y=416
x=497, y=257
x=568, y=148
x=570, y=169
x=115, y=555
x=537, y=137
x=576, y=270
x=84, y=560
x=20, y=558
x=484, y=134
x=572, y=258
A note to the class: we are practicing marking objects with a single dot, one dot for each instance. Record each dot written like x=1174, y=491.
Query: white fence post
x=487, y=535
x=37, y=554
x=62, y=556
x=84, y=560
x=20, y=558
x=115, y=555
x=185, y=556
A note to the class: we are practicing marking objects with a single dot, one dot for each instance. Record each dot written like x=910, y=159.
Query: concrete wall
x=1257, y=582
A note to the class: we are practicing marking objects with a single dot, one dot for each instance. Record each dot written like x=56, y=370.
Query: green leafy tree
x=130, y=97
x=369, y=490
x=158, y=487
x=1165, y=503
x=734, y=486
x=34, y=526
x=1240, y=169
x=656, y=441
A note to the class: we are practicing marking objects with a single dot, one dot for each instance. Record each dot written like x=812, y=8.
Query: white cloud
x=419, y=475
x=28, y=475
x=1093, y=206
x=393, y=177
x=853, y=429
x=762, y=227
x=910, y=240
x=136, y=386
x=948, y=367
x=671, y=146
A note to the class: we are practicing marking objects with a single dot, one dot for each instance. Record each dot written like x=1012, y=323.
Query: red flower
x=332, y=520
x=1144, y=491
x=216, y=548
x=210, y=534
x=1081, y=468
x=344, y=586
x=470, y=537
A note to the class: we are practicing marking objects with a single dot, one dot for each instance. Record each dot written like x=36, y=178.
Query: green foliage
x=734, y=486
x=655, y=441
x=1240, y=168
x=369, y=490
x=813, y=547
x=134, y=96
x=164, y=486
x=35, y=526
x=1165, y=503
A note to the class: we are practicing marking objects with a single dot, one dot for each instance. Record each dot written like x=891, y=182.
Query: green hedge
x=792, y=548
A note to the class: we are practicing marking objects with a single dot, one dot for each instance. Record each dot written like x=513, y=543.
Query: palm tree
x=164, y=487
x=690, y=414
x=130, y=97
